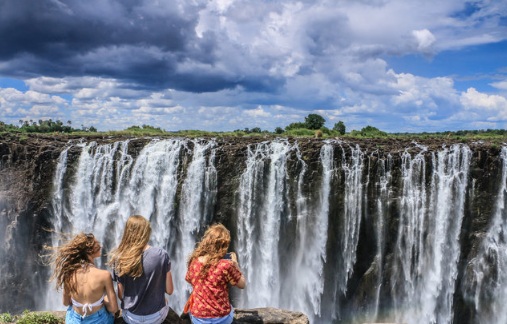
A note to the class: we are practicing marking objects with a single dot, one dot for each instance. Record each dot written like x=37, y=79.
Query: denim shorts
x=155, y=318
x=213, y=320
x=102, y=316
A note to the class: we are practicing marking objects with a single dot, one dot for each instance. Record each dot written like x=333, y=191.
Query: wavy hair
x=126, y=259
x=70, y=257
x=214, y=245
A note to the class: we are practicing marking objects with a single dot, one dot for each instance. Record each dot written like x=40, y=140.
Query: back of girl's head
x=71, y=256
x=214, y=243
x=137, y=231
x=217, y=237
x=126, y=259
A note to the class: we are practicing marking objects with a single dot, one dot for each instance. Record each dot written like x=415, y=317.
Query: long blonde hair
x=126, y=259
x=70, y=257
x=214, y=245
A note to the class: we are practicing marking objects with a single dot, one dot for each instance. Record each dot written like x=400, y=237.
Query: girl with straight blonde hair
x=87, y=290
x=210, y=272
x=143, y=273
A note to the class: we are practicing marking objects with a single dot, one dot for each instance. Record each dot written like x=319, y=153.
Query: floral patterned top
x=211, y=294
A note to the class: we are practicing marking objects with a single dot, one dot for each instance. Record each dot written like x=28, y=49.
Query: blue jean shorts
x=215, y=320
x=102, y=316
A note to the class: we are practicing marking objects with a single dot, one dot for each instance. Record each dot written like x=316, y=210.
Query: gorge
x=343, y=230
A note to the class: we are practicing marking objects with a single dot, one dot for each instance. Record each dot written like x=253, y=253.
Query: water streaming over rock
x=487, y=272
x=343, y=233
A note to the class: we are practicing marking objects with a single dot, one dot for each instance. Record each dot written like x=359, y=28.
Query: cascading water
x=299, y=220
x=110, y=185
x=196, y=205
x=310, y=241
x=352, y=212
x=263, y=196
x=428, y=247
x=490, y=295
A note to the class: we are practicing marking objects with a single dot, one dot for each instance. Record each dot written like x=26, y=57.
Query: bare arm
x=110, y=300
x=241, y=284
x=66, y=297
x=169, y=287
x=120, y=291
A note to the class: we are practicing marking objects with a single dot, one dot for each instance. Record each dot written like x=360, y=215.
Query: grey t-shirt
x=146, y=295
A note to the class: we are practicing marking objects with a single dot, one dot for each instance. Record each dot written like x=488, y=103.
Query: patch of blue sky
x=476, y=66
x=13, y=83
x=469, y=9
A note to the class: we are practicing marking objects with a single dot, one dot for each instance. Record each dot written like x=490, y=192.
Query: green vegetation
x=31, y=318
x=339, y=127
x=313, y=126
x=6, y=318
x=43, y=126
x=368, y=131
x=314, y=121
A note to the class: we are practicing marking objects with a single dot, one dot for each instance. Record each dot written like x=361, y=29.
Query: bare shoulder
x=102, y=274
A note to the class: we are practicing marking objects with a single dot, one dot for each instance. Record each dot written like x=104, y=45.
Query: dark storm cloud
x=135, y=41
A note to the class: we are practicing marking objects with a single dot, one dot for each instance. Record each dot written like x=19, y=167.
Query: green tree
x=339, y=127
x=297, y=125
x=278, y=130
x=314, y=121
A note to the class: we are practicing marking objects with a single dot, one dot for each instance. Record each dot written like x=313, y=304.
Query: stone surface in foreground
x=267, y=315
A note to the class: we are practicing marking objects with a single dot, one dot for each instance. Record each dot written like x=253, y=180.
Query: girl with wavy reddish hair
x=87, y=290
x=210, y=275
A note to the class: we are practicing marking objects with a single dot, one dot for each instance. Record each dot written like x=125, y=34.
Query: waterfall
x=428, y=248
x=306, y=285
x=262, y=205
x=488, y=270
x=383, y=202
x=352, y=172
x=196, y=206
x=297, y=212
x=110, y=185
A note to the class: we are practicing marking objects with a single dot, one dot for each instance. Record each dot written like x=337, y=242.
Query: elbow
x=169, y=291
x=241, y=283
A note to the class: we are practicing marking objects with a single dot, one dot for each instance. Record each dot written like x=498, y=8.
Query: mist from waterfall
x=298, y=225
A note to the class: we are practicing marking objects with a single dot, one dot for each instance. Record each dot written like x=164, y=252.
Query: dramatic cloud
x=228, y=64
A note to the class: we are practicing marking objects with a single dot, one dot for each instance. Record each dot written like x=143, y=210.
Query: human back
x=87, y=291
x=91, y=284
x=210, y=276
x=143, y=274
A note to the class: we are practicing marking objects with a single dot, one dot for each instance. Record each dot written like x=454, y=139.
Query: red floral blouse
x=211, y=294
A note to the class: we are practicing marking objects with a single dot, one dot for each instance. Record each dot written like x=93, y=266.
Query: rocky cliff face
x=369, y=224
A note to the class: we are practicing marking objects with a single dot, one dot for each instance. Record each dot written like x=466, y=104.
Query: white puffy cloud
x=425, y=39
x=493, y=106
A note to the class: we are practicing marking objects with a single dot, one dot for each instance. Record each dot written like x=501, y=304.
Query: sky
x=222, y=65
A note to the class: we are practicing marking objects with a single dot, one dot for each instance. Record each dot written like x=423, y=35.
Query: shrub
x=318, y=133
x=297, y=125
x=339, y=127
x=278, y=130
x=299, y=132
x=38, y=318
x=6, y=318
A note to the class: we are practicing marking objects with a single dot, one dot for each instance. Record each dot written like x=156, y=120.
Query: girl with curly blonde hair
x=143, y=273
x=87, y=290
x=210, y=272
